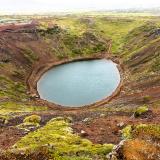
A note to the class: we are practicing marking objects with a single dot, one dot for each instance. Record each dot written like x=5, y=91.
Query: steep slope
x=22, y=47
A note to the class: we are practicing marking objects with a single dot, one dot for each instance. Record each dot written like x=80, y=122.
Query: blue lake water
x=79, y=83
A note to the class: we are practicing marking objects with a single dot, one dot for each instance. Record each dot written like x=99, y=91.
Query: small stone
x=120, y=124
x=102, y=129
x=27, y=92
x=109, y=156
x=114, y=157
x=114, y=153
x=102, y=115
x=83, y=133
x=69, y=119
x=86, y=119
x=122, y=143
x=25, y=132
x=34, y=96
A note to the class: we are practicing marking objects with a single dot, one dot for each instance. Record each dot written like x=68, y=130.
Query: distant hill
x=138, y=10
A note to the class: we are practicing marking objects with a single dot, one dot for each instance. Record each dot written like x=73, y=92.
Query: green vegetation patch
x=7, y=108
x=72, y=24
x=10, y=89
x=141, y=130
x=127, y=132
x=64, y=43
x=30, y=55
x=116, y=29
x=152, y=130
x=71, y=45
x=140, y=38
x=58, y=136
x=141, y=110
x=30, y=123
x=156, y=64
x=32, y=119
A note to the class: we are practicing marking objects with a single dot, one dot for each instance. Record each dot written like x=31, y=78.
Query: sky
x=16, y=6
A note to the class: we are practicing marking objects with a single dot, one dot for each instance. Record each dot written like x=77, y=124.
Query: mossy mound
x=141, y=130
x=32, y=119
x=137, y=149
x=58, y=137
x=144, y=144
x=30, y=123
x=149, y=131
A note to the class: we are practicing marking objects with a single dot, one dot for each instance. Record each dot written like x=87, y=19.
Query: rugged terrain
x=33, y=129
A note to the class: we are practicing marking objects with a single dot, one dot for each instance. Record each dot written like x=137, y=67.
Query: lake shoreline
x=39, y=70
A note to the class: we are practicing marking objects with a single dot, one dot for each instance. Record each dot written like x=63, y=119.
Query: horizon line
x=136, y=10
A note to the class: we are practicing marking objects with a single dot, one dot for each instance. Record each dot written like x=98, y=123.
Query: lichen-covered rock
x=117, y=152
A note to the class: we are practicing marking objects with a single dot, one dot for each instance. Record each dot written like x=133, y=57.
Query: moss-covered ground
x=58, y=136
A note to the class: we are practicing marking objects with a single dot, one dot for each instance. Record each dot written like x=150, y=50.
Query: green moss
x=30, y=122
x=71, y=45
x=146, y=98
x=11, y=89
x=139, y=39
x=116, y=29
x=7, y=108
x=72, y=34
x=58, y=136
x=72, y=24
x=127, y=132
x=152, y=130
x=46, y=31
x=141, y=110
x=32, y=119
x=156, y=64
